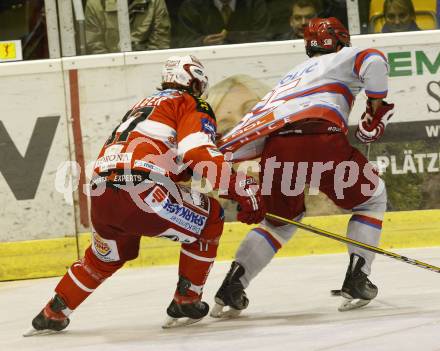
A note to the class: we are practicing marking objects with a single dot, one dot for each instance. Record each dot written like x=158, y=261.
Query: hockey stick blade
x=346, y=240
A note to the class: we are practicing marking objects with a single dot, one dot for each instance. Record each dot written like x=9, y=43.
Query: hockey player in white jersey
x=299, y=130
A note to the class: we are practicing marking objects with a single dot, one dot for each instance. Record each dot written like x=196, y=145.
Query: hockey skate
x=51, y=319
x=357, y=290
x=182, y=314
x=231, y=293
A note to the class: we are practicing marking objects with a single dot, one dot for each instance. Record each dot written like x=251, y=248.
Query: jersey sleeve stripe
x=376, y=94
x=362, y=56
x=156, y=130
x=193, y=141
x=319, y=111
x=337, y=88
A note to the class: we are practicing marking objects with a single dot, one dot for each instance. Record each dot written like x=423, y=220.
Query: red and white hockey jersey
x=160, y=133
x=322, y=87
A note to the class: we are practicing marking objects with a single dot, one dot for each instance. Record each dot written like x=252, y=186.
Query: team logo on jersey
x=106, y=250
x=203, y=106
x=208, y=128
x=172, y=140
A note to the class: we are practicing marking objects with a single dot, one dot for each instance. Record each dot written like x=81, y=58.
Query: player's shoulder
x=361, y=53
x=200, y=105
x=357, y=56
x=348, y=52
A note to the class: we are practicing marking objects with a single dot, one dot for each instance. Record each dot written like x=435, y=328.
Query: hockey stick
x=346, y=240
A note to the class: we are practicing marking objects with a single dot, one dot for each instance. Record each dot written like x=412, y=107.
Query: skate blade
x=35, y=332
x=352, y=304
x=335, y=292
x=179, y=322
x=218, y=312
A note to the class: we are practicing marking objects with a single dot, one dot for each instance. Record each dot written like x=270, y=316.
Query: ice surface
x=290, y=309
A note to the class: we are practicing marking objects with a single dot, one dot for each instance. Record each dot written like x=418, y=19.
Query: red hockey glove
x=372, y=126
x=245, y=191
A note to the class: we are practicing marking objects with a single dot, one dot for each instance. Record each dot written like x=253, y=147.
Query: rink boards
x=51, y=257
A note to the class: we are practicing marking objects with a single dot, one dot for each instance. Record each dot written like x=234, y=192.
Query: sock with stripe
x=83, y=277
x=195, y=263
x=367, y=230
x=260, y=246
x=197, y=258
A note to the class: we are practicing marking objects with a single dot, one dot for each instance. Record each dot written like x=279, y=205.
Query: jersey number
x=139, y=115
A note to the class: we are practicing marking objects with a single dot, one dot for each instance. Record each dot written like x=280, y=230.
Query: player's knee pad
x=376, y=205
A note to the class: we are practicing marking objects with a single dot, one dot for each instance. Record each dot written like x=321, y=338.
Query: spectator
x=173, y=7
x=214, y=22
x=399, y=16
x=279, y=11
x=149, y=24
x=364, y=15
x=302, y=12
x=336, y=8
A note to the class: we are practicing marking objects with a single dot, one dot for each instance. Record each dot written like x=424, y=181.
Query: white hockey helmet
x=187, y=72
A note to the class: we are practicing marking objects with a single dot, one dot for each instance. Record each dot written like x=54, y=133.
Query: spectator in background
x=302, y=12
x=400, y=16
x=149, y=24
x=173, y=7
x=438, y=13
x=214, y=22
x=364, y=15
x=279, y=12
x=336, y=8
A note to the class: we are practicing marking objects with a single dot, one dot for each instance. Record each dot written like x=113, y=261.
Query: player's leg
x=366, y=198
x=365, y=225
x=196, y=221
x=100, y=261
x=263, y=242
x=195, y=263
x=108, y=252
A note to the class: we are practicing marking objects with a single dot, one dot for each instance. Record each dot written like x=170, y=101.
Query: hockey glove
x=372, y=126
x=245, y=191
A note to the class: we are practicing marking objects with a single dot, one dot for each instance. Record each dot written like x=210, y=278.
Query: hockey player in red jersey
x=299, y=131
x=134, y=193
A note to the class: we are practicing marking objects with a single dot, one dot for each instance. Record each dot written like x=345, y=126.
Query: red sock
x=83, y=277
x=194, y=265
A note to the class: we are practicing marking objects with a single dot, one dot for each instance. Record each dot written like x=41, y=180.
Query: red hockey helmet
x=324, y=35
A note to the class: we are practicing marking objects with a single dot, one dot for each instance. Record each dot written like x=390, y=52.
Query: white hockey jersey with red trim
x=322, y=87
